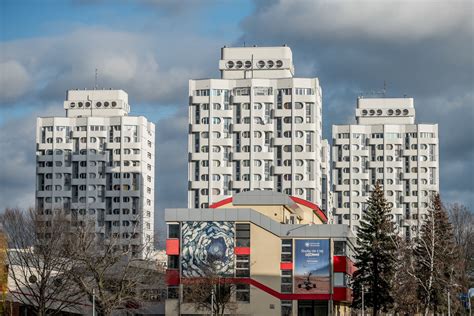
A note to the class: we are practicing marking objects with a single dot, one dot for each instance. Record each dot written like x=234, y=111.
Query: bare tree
x=114, y=270
x=406, y=301
x=36, y=260
x=435, y=257
x=211, y=292
x=462, y=220
x=3, y=272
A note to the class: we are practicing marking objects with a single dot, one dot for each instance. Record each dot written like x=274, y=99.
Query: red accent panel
x=312, y=206
x=340, y=264
x=172, y=246
x=286, y=266
x=242, y=250
x=172, y=276
x=220, y=203
x=342, y=294
x=272, y=292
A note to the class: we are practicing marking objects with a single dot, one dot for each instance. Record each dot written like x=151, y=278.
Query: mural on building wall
x=312, y=266
x=207, y=247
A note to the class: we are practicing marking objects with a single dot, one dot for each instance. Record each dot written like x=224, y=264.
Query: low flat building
x=277, y=251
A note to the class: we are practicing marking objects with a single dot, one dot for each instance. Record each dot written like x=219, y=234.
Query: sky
x=150, y=48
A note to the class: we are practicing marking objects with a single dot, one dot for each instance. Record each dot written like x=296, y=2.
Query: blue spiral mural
x=207, y=246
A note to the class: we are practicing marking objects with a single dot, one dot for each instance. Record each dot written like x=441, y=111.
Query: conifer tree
x=436, y=253
x=375, y=255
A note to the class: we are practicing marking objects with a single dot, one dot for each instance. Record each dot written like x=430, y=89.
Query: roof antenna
x=96, y=78
x=384, y=88
x=244, y=43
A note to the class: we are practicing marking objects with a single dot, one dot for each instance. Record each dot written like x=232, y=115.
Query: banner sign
x=312, y=266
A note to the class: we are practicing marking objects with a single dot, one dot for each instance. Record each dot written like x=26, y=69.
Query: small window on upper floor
x=339, y=248
x=173, y=230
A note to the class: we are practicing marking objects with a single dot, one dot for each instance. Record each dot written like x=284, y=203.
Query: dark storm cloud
x=423, y=49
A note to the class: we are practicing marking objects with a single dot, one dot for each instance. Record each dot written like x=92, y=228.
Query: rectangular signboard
x=312, y=266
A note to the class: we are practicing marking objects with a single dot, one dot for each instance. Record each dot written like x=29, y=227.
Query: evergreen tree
x=375, y=255
x=436, y=253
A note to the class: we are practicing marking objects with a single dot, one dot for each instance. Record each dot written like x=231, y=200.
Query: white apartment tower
x=326, y=192
x=387, y=146
x=256, y=128
x=97, y=163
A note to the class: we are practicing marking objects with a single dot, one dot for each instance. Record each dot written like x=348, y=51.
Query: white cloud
x=385, y=19
x=151, y=69
x=14, y=80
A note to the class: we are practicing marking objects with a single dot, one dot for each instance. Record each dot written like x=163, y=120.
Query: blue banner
x=312, y=266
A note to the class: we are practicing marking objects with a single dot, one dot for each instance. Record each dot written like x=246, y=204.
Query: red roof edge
x=312, y=206
x=295, y=199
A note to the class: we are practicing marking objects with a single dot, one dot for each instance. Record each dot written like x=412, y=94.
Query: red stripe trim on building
x=220, y=203
x=242, y=250
x=340, y=294
x=286, y=265
x=312, y=206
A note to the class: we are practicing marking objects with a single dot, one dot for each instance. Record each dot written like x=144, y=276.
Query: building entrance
x=312, y=308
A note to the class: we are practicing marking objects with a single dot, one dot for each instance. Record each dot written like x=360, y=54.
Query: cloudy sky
x=151, y=48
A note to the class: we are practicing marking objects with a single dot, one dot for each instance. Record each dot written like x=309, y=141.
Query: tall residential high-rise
x=326, y=192
x=256, y=128
x=387, y=146
x=98, y=163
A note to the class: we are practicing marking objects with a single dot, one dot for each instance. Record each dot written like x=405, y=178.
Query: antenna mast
x=96, y=78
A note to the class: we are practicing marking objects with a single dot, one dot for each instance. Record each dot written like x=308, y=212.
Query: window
x=304, y=91
x=263, y=91
x=340, y=279
x=173, y=230
x=286, y=250
x=242, y=268
x=242, y=235
x=286, y=308
x=173, y=292
x=339, y=248
x=201, y=93
x=173, y=262
x=287, y=281
x=241, y=91
x=242, y=292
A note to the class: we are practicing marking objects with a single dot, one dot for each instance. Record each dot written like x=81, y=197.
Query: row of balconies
x=236, y=99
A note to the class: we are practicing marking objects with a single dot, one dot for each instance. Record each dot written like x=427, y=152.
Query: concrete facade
x=387, y=146
x=98, y=163
x=265, y=264
x=256, y=128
